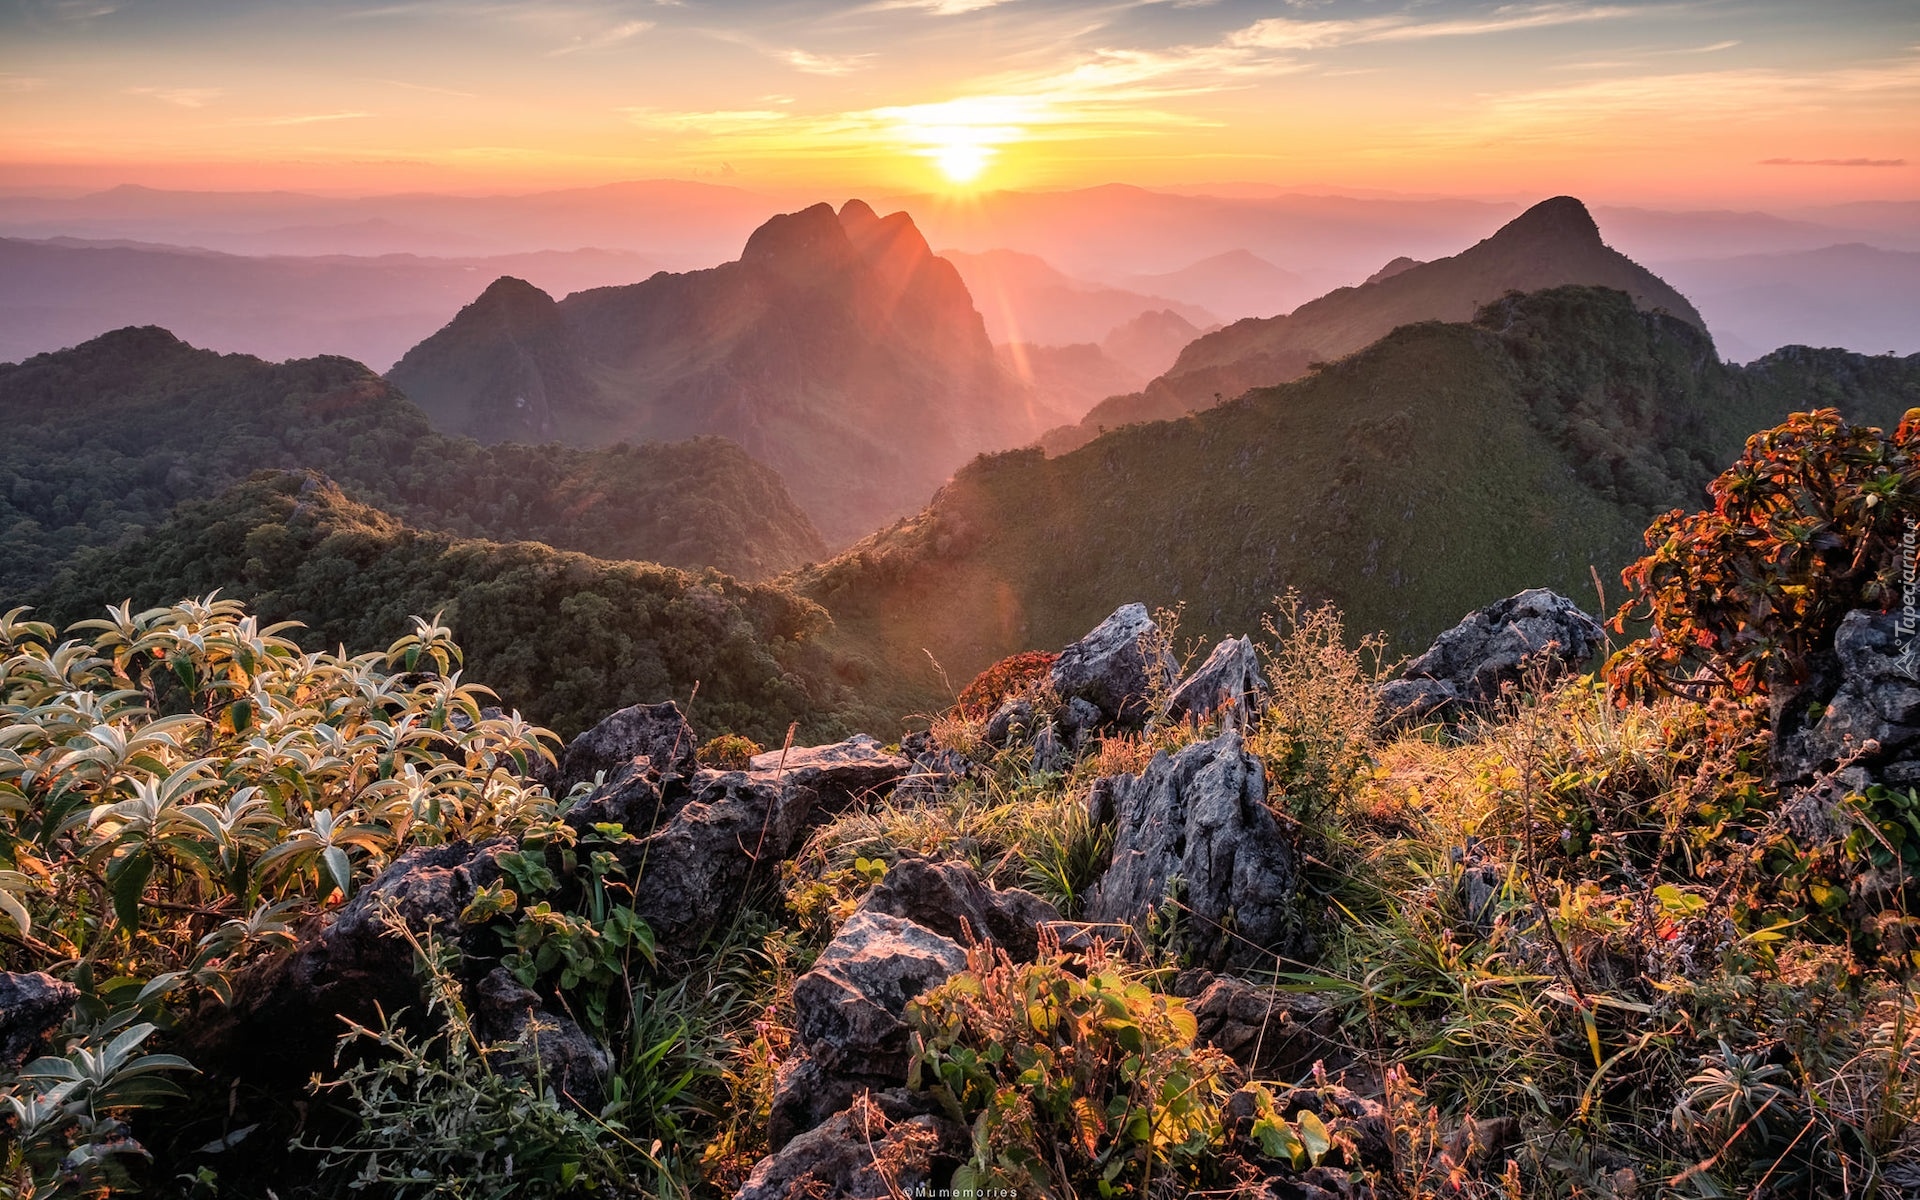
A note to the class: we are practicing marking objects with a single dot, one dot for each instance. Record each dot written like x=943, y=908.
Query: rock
x=1111, y=670
x=1362, y=1122
x=1229, y=680
x=1871, y=715
x=1010, y=723
x=949, y=899
x=1049, y=753
x=32, y=1006
x=1202, y=816
x=848, y=1008
x=1492, y=647
x=860, y=1154
x=853, y=769
x=570, y=1061
x=1273, y=1034
x=282, y=1022
x=1078, y=719
x=656, y=732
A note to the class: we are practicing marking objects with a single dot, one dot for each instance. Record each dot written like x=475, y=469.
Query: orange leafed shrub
x=1004, y=679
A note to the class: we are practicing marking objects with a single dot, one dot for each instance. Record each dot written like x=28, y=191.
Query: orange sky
x=1693, y=102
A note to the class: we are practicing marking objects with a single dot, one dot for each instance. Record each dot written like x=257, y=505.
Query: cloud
x=717, y=122
x=427, y=87
x=301, y=119
x=626, y=31
x=1833, y=162
x=21, y=83
x=939, y=8
x=181, y=97
x=822, y=64
x=1289, y=33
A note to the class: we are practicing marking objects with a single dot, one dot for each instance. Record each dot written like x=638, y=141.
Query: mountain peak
x=801, y=244
x=1562, y=218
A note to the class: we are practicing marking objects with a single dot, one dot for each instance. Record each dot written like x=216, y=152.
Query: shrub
x=728, y=752
x=1072, y=1085
x=1316, y=737
x=1804, y=527
x=1010, y=677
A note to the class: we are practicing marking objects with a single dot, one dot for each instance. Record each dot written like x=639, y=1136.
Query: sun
x=961, y=161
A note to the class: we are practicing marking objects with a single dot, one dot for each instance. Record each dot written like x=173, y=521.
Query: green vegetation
x=562, y=637
x=1444, y=466
x=104, y=440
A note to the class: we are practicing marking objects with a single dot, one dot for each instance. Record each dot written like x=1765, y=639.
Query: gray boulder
x=1867, y=714
x=1110, y=670
x=1489, y=649
x=32, y=1005
x=949, y=899
x=1270, y=1033
x=1230, y=682
x=1012, y=722
x=864, y=1153
x=1201, y=816
x=569, y=1060
x=848, y=1010
x=854, y=769
x=657, y=733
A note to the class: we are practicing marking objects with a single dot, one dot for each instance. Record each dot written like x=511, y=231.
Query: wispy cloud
x=427, y=87
x=716, y=122
x=1290, y=33
x=939, y=8
x=300, y=119
x=823, y=64
x=1833, y=162
x=21, y=83
x=180, y=97
x=626, y=31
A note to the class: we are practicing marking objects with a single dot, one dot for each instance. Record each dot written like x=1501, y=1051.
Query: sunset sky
x=1699, y=101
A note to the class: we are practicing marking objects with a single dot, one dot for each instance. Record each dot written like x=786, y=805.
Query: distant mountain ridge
x=1446, y=465
x=106, y=439
x=1552, y=244
x=837, y=349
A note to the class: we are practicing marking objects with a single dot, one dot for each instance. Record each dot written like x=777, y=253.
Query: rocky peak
x=1561, y=220
x=804, y=245
x=510, y=299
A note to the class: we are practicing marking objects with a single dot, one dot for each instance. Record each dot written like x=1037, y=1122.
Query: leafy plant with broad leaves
x=1073, y=1085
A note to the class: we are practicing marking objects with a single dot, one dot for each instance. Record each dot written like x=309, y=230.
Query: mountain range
x=1551, y=244
x=105, y=440
x=1446, y=464
x=838, y=349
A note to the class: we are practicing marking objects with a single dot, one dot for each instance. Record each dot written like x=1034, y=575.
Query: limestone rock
x=1202, y=816
x=1230, y=680
x=1490, y=648
x=655, y=732
x=1871, y=715
x=570, y=1061
x=845, y=770
x=1273, y=1034
x=949, y=899
x=848, y=1008
x=32, y=1005
x=1111, y=670
x=860, y=1154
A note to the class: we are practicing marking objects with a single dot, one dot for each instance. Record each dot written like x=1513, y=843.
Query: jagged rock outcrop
x=1229, y=682
x=282, y=1023
x=1866, y=695
x=1270, y=1033
x=864, y=1153
x=658, y=733
x=1201, y=816
x=32, y=1005
x=1489, y=649
x=1116, y=668
x=951, y=900
x=735, y=826
x=568, y=1059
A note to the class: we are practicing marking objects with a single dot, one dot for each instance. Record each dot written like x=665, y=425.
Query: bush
x=1012, y=676
x=1805, y=527
x=728, y=752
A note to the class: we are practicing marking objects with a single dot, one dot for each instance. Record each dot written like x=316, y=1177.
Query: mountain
x=1072, y=378
x=1553, y=243
x=106, y=439
x=562, y=637
x=1025, y=299
x=1235, y=284
x=1857, y=296
x=838, y=349
x=1444, y=466
x=1151, y=342
x=61, y=292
